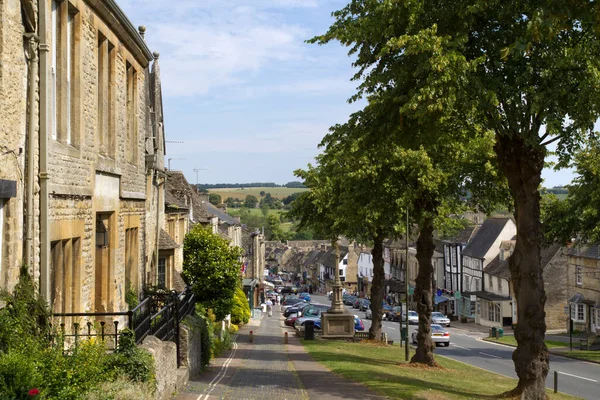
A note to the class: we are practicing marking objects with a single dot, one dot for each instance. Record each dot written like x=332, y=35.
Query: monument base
x=337, y=326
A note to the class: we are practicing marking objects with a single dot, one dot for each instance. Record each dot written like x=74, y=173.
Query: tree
x=251, y=201
x=264, y=209
x=510, y=66
x=230, y=202
x=274, y=231
x=262, y=193
x=289, y=199
x=578, y=216
x=214, y=198
x=212, y=268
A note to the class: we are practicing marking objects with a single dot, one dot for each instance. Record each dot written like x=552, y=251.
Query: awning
x=269, y=284
x=249, y=282
x=440, y=299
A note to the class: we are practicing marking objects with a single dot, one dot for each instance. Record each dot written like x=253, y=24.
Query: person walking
x=269, y=308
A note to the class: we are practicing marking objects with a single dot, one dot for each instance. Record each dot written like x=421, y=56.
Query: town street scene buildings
x=123, y=278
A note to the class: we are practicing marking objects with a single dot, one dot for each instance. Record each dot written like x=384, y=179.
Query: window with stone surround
x=500, y=285
x=579, y=275
x=491, y=282
x=162, y=272
x=66, y=275
x=64, y=73
x=578, y=312
x=132, y=148
x=106, y=96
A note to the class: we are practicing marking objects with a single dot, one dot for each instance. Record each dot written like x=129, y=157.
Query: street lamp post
x=406, y=287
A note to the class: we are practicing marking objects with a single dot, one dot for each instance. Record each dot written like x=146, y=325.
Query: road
x=578, y=378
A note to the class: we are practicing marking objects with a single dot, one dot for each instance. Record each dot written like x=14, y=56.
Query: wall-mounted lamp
x=101, y=234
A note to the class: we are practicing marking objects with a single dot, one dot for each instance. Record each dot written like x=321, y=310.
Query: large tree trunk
x=424, y=294
x=377, y=289
x=522, y=165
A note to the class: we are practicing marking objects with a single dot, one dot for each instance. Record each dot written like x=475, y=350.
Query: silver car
x=438, y=334
x=440, y=319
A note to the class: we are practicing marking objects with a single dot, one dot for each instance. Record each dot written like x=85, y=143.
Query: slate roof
x=500, y=268
x=217, y=212
x=586, y=251
x=177, y=189
x=466, y=234
x=166, y=242
x=485, y=237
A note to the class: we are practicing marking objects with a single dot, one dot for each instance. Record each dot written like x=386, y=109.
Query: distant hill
x=294, y=184
x=240, y=193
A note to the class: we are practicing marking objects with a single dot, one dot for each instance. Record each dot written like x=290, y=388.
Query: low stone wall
x=190, y=345
x=165, y=366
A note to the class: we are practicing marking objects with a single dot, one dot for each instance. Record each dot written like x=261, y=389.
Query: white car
x=440, y=319
x=438, y=334
x=413, y=317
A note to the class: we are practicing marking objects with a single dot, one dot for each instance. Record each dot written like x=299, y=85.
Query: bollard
x=285, y=338
x=251, y=337
x=555, y=382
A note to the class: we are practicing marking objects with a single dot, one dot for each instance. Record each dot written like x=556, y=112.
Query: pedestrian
x=269, y=308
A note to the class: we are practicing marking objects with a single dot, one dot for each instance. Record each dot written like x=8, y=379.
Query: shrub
x=240, y=313
x=18, y=374
x=233, y=328
x=131, y=361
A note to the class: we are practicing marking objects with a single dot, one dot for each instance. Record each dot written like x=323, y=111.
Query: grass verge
x=382, y=369
x=510, y=340
x=587, y=355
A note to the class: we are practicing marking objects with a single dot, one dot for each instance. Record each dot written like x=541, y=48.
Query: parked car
x=357, y=302
x=395, y=313
x=438, y=334
x=440, y=319
x=313, y=312
x=349, y=300
x=289, y=303
x=304, y=296
x=364, y=305
x=413, y=317
x=295, y=308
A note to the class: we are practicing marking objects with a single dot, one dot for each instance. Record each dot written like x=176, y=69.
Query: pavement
x=268, y=368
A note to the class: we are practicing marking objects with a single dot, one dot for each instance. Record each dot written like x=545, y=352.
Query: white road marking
x=577, y=376
x=460, y=347
x=489, y=355
x=221, y=374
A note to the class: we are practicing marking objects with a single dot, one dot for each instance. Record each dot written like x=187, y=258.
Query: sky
x=247, y=98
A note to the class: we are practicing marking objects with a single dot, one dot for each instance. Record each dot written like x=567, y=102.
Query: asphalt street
x=578, y=378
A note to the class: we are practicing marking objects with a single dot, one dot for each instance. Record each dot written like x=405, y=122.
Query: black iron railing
x=158, y=315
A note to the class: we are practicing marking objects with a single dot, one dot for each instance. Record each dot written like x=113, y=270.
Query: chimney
x=203, y=196
x=238, y=220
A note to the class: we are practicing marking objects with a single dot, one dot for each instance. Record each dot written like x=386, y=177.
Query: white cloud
x=208, y=44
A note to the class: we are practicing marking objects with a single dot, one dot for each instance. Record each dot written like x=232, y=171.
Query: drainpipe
x=43, y=137
x=158, y=185
x=32, y=61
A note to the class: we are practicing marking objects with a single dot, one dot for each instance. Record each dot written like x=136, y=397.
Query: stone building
x=583, y=287
x=82, y=152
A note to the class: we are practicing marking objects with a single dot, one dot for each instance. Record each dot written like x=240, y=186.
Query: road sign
x=473, y=297
x=439, y=292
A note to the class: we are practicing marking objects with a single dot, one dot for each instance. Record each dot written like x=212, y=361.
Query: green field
x=241, y=193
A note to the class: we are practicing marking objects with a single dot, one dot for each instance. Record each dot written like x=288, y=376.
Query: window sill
x=66, y=149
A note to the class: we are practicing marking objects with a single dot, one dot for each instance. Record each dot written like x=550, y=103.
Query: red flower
x=33, y=392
